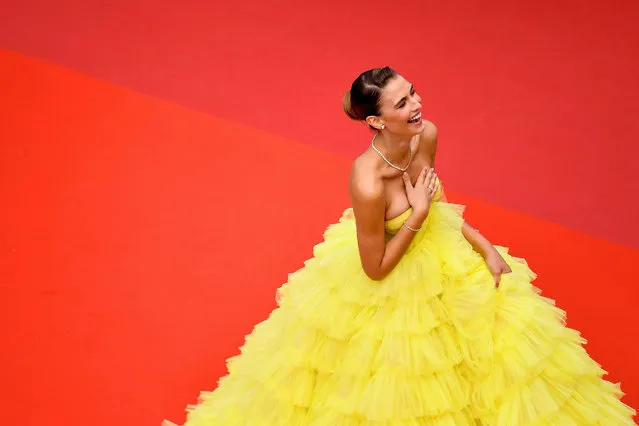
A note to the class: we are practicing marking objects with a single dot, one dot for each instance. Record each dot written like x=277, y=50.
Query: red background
x=164, y=167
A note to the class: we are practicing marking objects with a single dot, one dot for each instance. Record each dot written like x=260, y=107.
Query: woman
x=406, y=315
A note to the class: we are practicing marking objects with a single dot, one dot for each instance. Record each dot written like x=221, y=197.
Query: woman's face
x=401, y=108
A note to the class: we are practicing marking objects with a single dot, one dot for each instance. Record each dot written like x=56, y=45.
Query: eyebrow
x=404, y=98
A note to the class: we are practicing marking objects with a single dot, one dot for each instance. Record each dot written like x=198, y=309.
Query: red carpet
x=142, y=240
x=147, y=222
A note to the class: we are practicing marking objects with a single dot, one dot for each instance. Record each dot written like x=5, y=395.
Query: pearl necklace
x=401, y=169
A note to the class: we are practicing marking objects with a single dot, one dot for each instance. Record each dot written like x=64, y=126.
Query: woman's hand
x=496, y=265
x=421, y=195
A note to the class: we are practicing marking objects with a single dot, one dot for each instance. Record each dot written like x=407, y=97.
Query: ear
x=374, y=121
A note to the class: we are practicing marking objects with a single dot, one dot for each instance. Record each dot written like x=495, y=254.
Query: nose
x=416, y=101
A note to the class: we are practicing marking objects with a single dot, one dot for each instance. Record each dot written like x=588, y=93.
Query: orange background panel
x=142, y=240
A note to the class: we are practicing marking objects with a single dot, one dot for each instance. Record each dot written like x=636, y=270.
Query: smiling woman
x=364, y=100
x=406, y=314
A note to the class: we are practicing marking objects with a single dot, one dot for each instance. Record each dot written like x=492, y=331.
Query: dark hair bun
x=348, y=107
x=364, y=97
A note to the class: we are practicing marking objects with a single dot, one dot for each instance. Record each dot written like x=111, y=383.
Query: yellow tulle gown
x=433, y=344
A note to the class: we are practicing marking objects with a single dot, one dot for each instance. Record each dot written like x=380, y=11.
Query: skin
x=379, y=192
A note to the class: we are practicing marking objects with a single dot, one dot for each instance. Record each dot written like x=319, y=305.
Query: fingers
x=422, y=176
x=432, y=177
x=504, y=271
x=431, y=183
x=504, y=267
x=427, y=178
x=407, y=183
x=431, y=191
x=497, y=278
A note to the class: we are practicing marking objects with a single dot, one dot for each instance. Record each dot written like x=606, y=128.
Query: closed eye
x=402, y=101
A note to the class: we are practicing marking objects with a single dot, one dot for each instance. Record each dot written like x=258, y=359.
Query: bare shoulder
x=428, y=142
x=366, y=189
x=364, y=183
x=429, y=135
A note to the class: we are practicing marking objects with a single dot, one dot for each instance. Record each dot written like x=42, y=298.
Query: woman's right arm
x=379, y=256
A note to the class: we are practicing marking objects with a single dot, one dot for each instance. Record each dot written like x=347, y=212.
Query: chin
x=416, y=129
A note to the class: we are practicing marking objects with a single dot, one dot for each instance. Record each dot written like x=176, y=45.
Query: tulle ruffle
x=435, y=343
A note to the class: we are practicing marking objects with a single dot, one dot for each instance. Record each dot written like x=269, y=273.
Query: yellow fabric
x=435, y=343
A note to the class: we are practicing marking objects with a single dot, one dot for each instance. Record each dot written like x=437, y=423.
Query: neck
x=395, y=148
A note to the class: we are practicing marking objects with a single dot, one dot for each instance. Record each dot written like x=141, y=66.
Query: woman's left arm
x=480, y=243
x=495, y=262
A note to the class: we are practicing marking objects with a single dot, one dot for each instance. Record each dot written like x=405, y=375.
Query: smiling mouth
x=416, y=119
